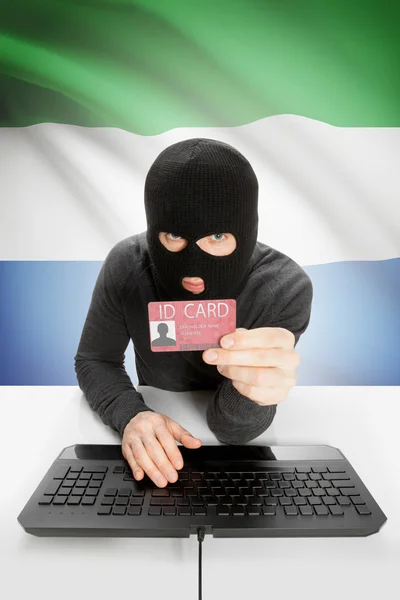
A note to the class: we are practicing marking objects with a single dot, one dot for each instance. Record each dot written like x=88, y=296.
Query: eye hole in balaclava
x=196, y=188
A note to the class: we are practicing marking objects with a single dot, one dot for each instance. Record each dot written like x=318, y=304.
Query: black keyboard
x=90, y=491
x=304, y=491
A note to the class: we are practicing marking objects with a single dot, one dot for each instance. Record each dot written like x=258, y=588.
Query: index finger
x=169, y=445
x=261, y=337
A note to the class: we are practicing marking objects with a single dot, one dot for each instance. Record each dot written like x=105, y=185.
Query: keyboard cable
x=201, y=531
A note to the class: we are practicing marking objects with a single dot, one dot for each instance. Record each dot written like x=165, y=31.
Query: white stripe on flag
x=326, y=193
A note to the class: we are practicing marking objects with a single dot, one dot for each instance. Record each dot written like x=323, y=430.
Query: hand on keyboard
x=149, y=445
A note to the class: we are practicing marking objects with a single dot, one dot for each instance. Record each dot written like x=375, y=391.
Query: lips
x=196, y=286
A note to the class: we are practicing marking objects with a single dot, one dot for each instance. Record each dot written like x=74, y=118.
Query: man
x=201, y=198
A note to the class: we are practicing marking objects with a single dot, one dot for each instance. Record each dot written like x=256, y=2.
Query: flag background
x=93, y=90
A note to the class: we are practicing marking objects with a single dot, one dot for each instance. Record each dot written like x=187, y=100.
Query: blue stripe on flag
x=352, y=339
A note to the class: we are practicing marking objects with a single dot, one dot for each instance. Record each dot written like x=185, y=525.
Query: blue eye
x=176, y=235
x=220, y=240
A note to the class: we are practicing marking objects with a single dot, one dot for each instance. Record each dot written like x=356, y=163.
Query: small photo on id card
x=190, y=324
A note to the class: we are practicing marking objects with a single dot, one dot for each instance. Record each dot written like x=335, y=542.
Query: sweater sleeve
x=100, y=358
x=234, y=418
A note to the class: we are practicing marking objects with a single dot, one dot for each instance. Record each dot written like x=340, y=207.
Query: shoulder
x=281, y=279
x=127, y=258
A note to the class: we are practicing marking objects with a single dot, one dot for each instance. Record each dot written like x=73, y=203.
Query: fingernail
x=211, y=356
x=171, y=475
x=160, y=481
x=227, y=342
x=178, y=464
x=137, y=474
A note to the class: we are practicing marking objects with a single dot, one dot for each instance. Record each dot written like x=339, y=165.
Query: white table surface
x=363, y=422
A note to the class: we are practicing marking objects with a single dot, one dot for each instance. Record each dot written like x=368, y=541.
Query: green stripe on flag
x=150, y=66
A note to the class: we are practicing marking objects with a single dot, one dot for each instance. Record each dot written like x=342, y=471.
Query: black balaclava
x=196, y=188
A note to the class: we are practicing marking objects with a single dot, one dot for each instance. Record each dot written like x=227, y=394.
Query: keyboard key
x=78, y=492
x=107, y=501
x=318, y=492
x=341, y=484
x=52, y=488
x=248, y=476
x=303, y=469
x=256, y=501
x=85, y=476
x=138, y=492
x=305, y=492
x=268, y=510
x=184, y=511
x=291, y=510
x=330, y=476
x=289, y=476
x=302, y=476
x=336, y=510
x=285, y=501
x=124, y=492
x=96, y=469
x=75, y=469
x=337, y=469
x=119, y=510
x=355, y=499
x=297, y=484
x=121, y=501
x=162, y=501
x=283, y=485
x=155, y=511
x=345, y=500
x=45, y=500
x=271, y=502
x=223, y=510
x=311, y=484
x=363, y=510
x=315, y=476
x=332, y=492
x=319, y=469
x=111, y=492
x=104, y=510
x=254, y=511
x=324, y=484
x=136, y=501
x=278, y=492
x=239, y=501
x=211, y=501
x=169, y=511
x=119, y=470
x=199, y=510
x=183, y=502
x=235, y=476
x=314, y=500
x=81, y=484
x=88, y=501
x=177, y=493
x=98, y=476
x=330, y=500
x=64, y=491
x=61, y=473
x=59, y=500
x=349, y=492
x=74, y=500
x=238, y=510
x=275, y=477
x=306, y=510
x=300, y=501
x=134, y=511
x=322, y=510
x=195, y=476
x=197, y=502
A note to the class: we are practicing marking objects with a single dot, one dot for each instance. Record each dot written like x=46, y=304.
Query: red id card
x=190, y=324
